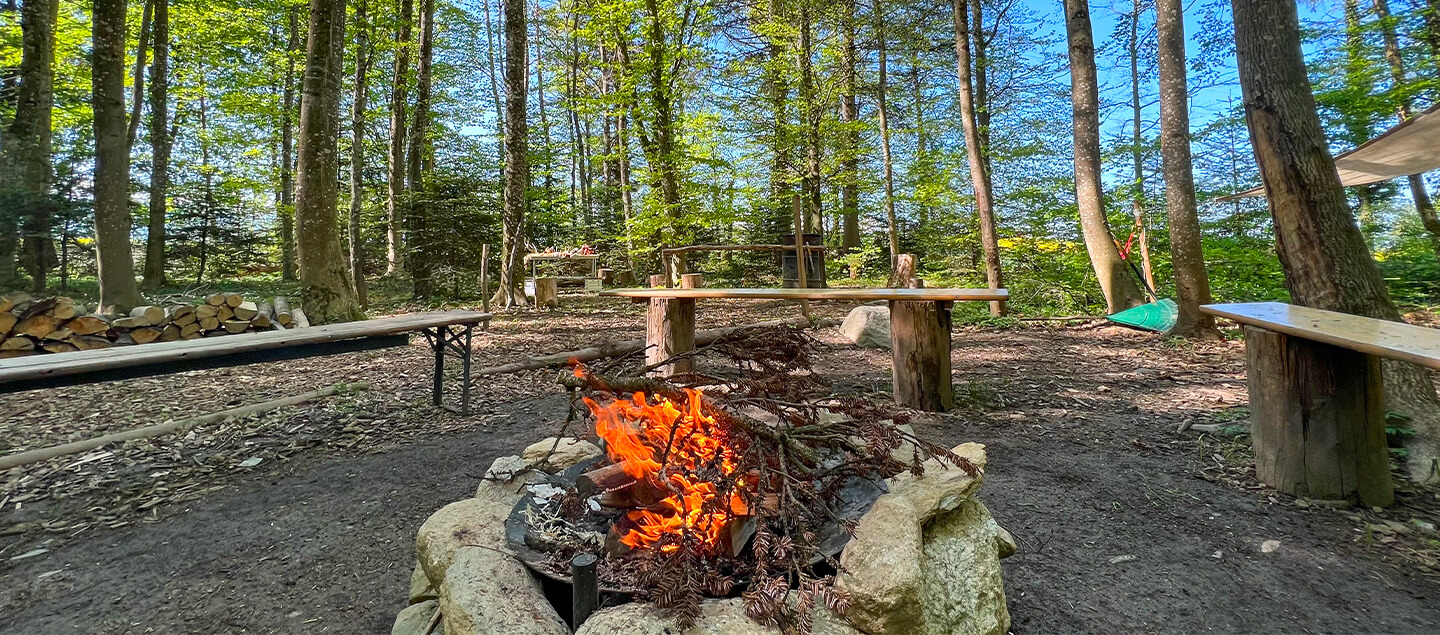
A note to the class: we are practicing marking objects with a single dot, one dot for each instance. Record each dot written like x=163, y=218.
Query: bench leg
x=456, y=339
x=669, y=331
x=920, y=344
x=1317, y=419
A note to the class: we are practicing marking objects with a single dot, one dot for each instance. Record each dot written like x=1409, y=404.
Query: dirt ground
x=1125, y=524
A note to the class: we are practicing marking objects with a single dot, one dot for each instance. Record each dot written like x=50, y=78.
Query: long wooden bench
x=447, y=332
x=919, y=330
x=1317, y=417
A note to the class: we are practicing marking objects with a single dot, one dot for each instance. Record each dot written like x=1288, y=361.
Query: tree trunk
x=814, y=217
x=395, y=187
x=850, y=169
x=288, y=259
x=357, y=150
x=778, y=93
x=325, y=281
x=207, y=217
x=989, y=239
x=1432, y=33
x=1142, y=233
x=540, y=97
x=1192, y=284
x=1121, y=291
x=160, y=142
x=880, y=107
x=1326, y=262
x=136, y=95
x=1357, y=122
x=27, y=147
x=517, y=161
x=112, y=161
x=419, y=238
x=1423, y=205
x=982, y=81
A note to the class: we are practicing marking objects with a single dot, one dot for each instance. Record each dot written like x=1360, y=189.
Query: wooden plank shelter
x=1316, y=396
x=919, y=330
x=447, y=331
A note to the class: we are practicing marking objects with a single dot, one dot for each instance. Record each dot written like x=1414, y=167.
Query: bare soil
x=1125, y=524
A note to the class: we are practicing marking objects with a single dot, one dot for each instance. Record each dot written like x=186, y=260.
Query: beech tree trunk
x=357, y=149
x=395, y=188
x=814, y=217
x=1423, y=205
x=850, y=159
x=288, y=259
x=1137, y=201
x=989, y=239
x=118, y=289
x=1120, y=289
x=27, y=147
x=1192, y=283
x=324, y=278
x=517, y=161
x=889, y=168
x=1326, y=262
x=419, y=241
x=160, y=142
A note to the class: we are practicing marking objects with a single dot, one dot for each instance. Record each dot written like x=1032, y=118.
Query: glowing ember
x=669, y=445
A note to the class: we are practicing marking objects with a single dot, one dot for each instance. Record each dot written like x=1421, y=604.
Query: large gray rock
x=868, y=326
x=566, y=452
x=486, y=592
x=925, y=560
x=421, y=588
x=473, y=521
x=718, y=617
x=415, y=619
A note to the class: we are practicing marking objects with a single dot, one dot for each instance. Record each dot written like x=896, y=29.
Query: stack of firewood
x=60, y=325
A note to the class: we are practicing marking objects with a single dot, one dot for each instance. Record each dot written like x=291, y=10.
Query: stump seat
x=1317, y=399
x=919, y=330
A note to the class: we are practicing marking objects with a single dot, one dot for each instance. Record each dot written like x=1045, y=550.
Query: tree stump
x=670, y=330
x=606, y=276
x=692, y=280
x=547, y=293
x=624, y=278
x=1317, y=419
x=920, y=344
x=659, y=281
x=902, y=270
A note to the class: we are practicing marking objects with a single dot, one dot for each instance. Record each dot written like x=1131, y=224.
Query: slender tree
x=286, y=208
x=419, y=240
x=1423, y=205
x=1121, y=291
x=1192, y=284
x=395, y=187
x=880, y=108
x=160, y=142
x=984, y=208
x=1326, y=262
x=357, y=149
x=517, y=161
x=27, y=146
x=1137, y=156
x=118, y=290
x=810, y=112
x=850, y=134
x=324, y=277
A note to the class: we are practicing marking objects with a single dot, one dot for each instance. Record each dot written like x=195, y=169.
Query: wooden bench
x=1317, y=417
x=447, y=332
x=919, y=330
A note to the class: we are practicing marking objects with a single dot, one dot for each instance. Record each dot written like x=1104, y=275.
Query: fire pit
x=748, y=487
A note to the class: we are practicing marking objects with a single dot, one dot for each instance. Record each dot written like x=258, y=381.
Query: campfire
x=712, y=486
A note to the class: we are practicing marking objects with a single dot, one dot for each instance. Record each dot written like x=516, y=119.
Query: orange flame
x=667, y=443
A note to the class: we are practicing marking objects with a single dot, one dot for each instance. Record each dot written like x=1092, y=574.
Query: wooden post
x=659, y=281
x=692, y=281
x=802, y=277
x=1317, y=419
x=902, y=270
x=920, y=345
x=485, y=277
x=606, y=276
x=670, y=330
x=547, y=293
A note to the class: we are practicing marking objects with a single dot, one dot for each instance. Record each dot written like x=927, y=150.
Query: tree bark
x=1324, y=257
x=288, y=259
x=517, y=161
x=112, y=162
x=325, y=281
x=1121, y=291
x=357, y=149
x=1192, y=283
x=850, y=159
x=419, y=241
x=137, y=92
x=27, y=147
x=984, y=208
x=880, y=107
x=814, y=217
x=395, y=187
x=160, y=143
x=1423, y=205
x=1142, y=233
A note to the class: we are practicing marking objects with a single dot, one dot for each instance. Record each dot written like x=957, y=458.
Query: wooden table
x=447, y=331
x=1317, y=416
x=919, y=330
